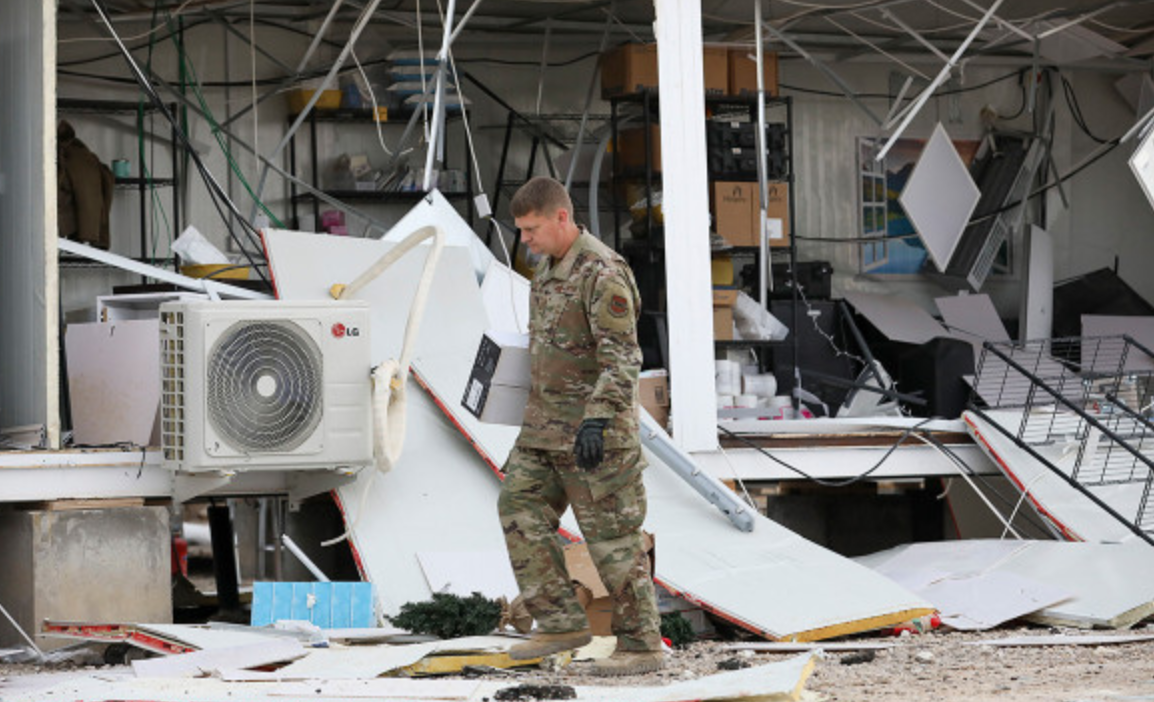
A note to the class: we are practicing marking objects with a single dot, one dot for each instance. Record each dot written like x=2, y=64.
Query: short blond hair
x=541, y=195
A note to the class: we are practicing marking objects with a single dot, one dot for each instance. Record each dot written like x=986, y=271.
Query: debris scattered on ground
x=528, y=693
x=859, y=658
x=924, y=657
x=733, y=664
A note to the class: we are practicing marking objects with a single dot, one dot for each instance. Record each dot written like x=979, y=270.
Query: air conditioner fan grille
x=265, y=386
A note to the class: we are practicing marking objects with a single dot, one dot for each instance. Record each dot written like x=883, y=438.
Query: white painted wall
x=28, y=326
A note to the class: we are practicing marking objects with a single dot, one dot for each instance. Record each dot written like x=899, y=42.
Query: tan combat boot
x=628, y=663
x=544, y=644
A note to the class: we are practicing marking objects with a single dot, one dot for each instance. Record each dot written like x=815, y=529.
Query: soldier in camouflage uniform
x=579, y=445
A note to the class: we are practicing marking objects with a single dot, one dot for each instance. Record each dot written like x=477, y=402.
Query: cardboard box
x=724, y=299
x=735, y=211
x=298, y=99
x=630, y=154
x=591, y=592
x=653, y=394
x=777, y=207
x=631, y=68
x=627, y=69
x=715, y=62
x=498, y=387
x=653, y=388
x=743, y=72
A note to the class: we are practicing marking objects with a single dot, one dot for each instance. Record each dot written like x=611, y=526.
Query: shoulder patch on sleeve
x=614, y=307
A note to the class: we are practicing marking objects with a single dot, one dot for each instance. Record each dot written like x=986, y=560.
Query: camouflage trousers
x=609, y=503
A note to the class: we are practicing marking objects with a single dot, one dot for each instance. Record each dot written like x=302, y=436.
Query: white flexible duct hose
x=391, y=376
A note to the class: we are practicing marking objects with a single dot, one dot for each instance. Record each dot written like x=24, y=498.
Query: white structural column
x=685, y=203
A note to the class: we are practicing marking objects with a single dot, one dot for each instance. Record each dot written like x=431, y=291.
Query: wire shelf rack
x=1090, y=397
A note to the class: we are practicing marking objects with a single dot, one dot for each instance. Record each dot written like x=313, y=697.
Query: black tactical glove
x=589, y=448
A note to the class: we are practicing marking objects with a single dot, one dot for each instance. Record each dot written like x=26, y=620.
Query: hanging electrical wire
x=905, y=436
x=217, y=195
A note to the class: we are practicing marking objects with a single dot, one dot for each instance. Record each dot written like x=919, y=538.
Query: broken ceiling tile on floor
x=1111, y=585
x=354, y=662
x=896, y=316
x=197, y=663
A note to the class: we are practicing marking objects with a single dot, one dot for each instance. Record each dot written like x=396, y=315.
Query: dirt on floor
x=939, y=666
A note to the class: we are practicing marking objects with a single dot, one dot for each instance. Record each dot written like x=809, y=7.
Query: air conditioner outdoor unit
x=265, y=385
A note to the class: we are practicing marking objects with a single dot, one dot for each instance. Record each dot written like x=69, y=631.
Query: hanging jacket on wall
x=84, y=190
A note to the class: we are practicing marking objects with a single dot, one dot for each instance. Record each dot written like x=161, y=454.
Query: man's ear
x=562, y=215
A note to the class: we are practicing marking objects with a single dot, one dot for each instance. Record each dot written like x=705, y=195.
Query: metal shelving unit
x=144, y=186
x=649, y=248
x=360, y=116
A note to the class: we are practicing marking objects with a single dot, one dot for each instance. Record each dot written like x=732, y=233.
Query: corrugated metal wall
x=28, y=291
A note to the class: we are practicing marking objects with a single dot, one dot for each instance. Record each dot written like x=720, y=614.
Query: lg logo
x=339, y=331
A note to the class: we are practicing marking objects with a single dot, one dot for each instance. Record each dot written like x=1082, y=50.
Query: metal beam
x=212, y=288
x=829, y=72
x=941, y=78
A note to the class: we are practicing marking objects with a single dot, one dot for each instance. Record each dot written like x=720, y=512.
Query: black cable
x=1076, y=110
x=1022, y=106
x=1029, y=516
x=831, y=483
x=216, y=193
x=887, y=96
x=534, y=64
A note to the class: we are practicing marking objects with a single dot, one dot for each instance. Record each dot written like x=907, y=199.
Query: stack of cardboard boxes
x=632, y=68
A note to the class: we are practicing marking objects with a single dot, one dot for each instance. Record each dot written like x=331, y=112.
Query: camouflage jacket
x=584, y=357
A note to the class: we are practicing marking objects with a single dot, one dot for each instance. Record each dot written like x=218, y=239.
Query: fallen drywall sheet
x=1070, y=512
x=354, y=662
x=897, y=317
x=1064, y=640
x=162, y=638
x=446, y=497
x=189, y=665
x=1111, y=585
x=781, y=681
x=976, y=601
x=972, y=317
